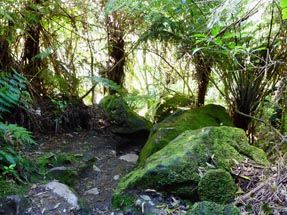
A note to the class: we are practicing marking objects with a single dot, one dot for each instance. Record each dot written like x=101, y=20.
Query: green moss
x=175, y=167
x=165, y=131
x=118, y=112
x=170, y=105
x=67, y=176
x=50, y=160
x=123, y=201
x=211, y=208
x=11, y=188
x=217, y=186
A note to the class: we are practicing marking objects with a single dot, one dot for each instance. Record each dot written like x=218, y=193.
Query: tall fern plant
x=12, y=93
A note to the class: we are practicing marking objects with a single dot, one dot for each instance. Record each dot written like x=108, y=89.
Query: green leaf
x=215, y=31
x=199, y=36
x=284, y=13
x=5, y=14
x=8, y=157
x=283, y=4
x=196, y=50
x=218, y=41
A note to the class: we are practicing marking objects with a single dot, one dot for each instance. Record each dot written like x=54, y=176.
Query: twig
x=238, y=21
x=247, y=195
x=283, y=138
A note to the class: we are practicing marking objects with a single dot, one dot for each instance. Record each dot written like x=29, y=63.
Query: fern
x=13, y=133
x=107, y=83
x=12, y=91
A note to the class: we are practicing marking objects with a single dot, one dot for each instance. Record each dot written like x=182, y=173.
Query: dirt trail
x=97, y=182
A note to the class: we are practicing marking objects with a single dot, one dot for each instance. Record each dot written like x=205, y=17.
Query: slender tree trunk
x=7, y=62
x=203, y=71
x=32, y=47
x=116, y=50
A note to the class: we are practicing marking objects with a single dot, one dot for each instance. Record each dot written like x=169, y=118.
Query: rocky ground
x=95, y=184
x=108, y=158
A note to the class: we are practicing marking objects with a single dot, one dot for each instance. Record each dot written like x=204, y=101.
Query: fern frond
x=12, y=89
x=13, y=133
x=107, y=83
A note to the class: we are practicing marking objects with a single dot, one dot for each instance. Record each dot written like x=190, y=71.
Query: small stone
x=113, y=152
x=131, y=158
x=58, y=168
x=97, y=169
x=145, y=197
x=138, y=203
x=116, y=177
x=93, y=191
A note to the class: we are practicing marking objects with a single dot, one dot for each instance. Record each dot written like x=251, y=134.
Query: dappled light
x=143, y=107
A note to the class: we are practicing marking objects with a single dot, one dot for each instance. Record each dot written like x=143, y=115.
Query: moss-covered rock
x=175, y=167
x=64, y=167
x=170, y=105
x=63, y=174
x=182, y=120
x=122, y=117
x=211, y=208
x=218, y=186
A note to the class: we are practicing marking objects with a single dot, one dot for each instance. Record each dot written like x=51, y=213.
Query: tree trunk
x=32, y=48
x=7, y=62
x=203, y=71
x=116, y=51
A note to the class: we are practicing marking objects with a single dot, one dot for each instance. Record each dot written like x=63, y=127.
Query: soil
x=102, y=174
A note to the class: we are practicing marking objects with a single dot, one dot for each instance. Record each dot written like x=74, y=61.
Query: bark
x=203, y=71
x=32, y=48
x=116, y=50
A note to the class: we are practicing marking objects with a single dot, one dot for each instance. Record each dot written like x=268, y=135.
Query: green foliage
x=13, y=165
x=208, y=208
x=10, y=188
x=12, y=91
x=9, y=169
x=109, y=84
x=170, y=104
x=12, y=136
x=283, y=5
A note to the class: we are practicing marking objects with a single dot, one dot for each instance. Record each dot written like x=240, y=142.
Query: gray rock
x=13, y=205
x=65, y=192
x=131, y=158
x=93, y=191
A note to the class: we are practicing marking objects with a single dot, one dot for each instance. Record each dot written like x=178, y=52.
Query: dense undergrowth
x=15, y=167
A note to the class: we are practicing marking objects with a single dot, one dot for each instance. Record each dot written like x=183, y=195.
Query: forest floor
x=96, y=184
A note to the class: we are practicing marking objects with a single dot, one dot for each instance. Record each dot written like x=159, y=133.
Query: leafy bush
x=13, y=137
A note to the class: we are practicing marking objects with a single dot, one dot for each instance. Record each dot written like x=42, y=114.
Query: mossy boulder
x=218, y=186
x=123, y=119
x=170, y=104
x=175, y=168
x=63, y=167
x=62, y=174
x=211, y=208
x=182, y=120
